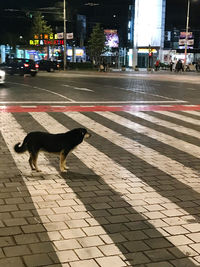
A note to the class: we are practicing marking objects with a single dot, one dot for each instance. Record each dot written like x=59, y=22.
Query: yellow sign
x=45, y=36
x=147, y=50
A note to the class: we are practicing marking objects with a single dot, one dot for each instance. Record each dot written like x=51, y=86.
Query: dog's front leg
x=63, y=155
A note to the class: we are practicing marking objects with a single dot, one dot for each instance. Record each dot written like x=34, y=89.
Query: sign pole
x=65, y=37
x=186, y=37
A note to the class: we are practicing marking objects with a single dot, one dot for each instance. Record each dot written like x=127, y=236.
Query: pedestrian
x=101, y=67
x=175, y=63
x=171, y=65
x=104, y=66
x=157, y=64
x=179, y=66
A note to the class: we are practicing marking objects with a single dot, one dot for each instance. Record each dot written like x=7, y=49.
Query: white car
x=2, y=76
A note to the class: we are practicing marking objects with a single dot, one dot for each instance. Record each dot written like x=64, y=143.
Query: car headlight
x=2, y=73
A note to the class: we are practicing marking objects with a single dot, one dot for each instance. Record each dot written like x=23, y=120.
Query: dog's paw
x=63, y=171
x=66, y=168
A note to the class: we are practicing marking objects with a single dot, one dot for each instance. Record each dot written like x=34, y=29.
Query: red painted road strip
x=98, y=108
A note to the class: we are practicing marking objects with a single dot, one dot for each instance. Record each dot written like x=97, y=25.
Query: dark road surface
x=70, y=88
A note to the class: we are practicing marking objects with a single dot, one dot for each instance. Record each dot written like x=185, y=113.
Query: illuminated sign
x=70, y=35
x=182, y=40
x=50, y=39
x=79, y=52
x=147, y=50
x=183, y=35
x=46, y=42
x=45, y=36
x=112, y=39
x=149, y=23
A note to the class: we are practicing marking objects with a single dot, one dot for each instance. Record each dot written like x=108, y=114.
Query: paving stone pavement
x=130, y=198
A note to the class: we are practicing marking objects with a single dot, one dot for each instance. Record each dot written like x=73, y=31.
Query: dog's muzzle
x=87, y=135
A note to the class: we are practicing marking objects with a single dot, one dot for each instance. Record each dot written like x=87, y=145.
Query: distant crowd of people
x=176, y=66
x=179, y=66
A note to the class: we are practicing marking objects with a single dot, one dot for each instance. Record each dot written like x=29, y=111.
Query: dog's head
x=84, y=133
x=80, y=133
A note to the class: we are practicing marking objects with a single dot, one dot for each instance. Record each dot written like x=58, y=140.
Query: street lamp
x=187, y=26
x=64, y=33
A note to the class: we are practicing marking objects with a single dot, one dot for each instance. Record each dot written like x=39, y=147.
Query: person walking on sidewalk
x=179, y=66
x=171, y=65
x=157, y=65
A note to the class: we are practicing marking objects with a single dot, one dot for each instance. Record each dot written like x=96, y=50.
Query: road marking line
x=78, y=88
x=58, y=106
x=87, y=106
x=92, y=108
x=49, y=91
x=190, y=105
x=28, y=106
x=93, y=102
x=165, y=105
x=83, y=89
x=43, y=89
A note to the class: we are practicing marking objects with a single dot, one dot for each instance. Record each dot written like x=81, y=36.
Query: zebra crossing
x=130, y=198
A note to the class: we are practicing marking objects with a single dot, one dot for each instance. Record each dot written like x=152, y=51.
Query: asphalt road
x=72, y=88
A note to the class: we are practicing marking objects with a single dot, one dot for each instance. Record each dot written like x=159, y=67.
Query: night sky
x=175, y=10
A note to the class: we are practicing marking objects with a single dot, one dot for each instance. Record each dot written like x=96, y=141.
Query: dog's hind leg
x=33, y=160
x=31, y=163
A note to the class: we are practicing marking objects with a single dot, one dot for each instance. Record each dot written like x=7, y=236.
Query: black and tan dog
x=61, y=143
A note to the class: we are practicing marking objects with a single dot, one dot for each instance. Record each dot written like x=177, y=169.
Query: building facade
x=148, y=32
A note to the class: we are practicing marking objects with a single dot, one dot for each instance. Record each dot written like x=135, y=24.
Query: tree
x=39, y=25
x=96, y=44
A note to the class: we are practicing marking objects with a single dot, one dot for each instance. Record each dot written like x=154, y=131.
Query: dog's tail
x=22, y=148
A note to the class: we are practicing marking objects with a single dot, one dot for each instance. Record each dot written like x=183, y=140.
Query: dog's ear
x=83, y=131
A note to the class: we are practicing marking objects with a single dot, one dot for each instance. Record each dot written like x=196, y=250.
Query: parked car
x=2, y=76
x=20, y=66
x=48, y=65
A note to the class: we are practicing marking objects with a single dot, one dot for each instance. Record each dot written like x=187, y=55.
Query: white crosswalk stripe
x=167, y=124
x=192, y=112
x=180, y=117
x=162, y=137
x=147, y=198
x=151, y=156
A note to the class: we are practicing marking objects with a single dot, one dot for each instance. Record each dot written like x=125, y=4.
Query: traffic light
x=150, y=54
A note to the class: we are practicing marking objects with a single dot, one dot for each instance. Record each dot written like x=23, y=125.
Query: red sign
x=46, y=42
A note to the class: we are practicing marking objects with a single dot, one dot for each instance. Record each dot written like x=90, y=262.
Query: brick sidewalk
x=124, y=202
